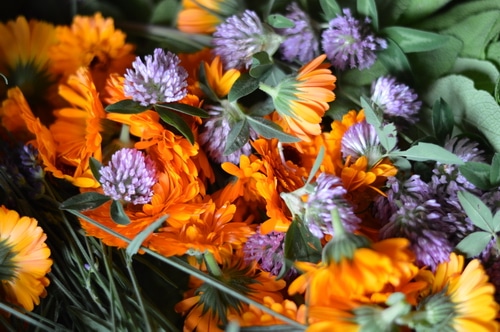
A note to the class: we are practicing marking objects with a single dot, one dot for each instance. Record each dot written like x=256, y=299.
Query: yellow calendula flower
x=24, y=258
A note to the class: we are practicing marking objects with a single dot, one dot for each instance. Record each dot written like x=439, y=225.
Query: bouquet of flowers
x=291, y=165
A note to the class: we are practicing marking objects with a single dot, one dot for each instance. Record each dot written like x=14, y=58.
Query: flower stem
x=125, y=134
x=212, y=264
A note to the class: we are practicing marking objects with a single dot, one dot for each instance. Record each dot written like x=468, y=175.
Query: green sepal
x=134, y=246
x=368, y=8
x=300, y=245
x=413, y=40
x=118, y=214
x=279, y=21
x=84, y=201
x=474, y=243
x=175, y=121
x=477, y=173
x=269, y=129
x=126, y=106
x=442, y=120
x=243, y=86
x=237, y=137
x=183, y=108
x=95, y=167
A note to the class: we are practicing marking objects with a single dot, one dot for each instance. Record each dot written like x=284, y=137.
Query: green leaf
x=387, y=134
x=413, y=40
x=392, y=9
x=90, y=320
x=118, y=213
x=477, y=173
x=237, y=137
x=95, y=166
x=496, y=92
x=261, y=64
x=300, y=245
x=477, y=211
x=317, y=164
x=473, y=109
x=495, y=170
x=473, y=244
x=394, y=59
x=164, y=12
x=243, y=86
x=269, y=129
x=134, y=246
x=183, y=108
x=495, y=223
x=126, y=106
x=493, y=53
x=84, y=201
x=330, y=9
x=279, y=21
x=422, y=8
x=428, y=152
x=175, y=121
x=483, y=73
x=442, y=120
x=369, y=9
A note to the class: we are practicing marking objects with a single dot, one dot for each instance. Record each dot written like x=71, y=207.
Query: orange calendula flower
x=25, y=260
x=303, y=100
x=24, y=59
x=92, y=42
x=464, y=296
x=220, y=82
x=202, y=16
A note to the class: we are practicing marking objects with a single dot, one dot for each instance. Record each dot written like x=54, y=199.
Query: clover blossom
x=267, y=250
x=160, y=78
x=301, y=42
x=327, y=196
x=350, y=43
x=129, y=177
x=361, y=139
x=396, y=100
x=240, y=37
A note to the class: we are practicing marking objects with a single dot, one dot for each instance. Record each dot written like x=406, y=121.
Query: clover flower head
x=267, y=250
x=240, y=37
x=361, y=139
x=396, y=100
x=159, y=78
x=129, y=177
x=351, y=43
x=300, y=41
x=327, y=196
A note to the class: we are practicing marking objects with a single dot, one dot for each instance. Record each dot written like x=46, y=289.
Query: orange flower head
x=220, y=82
x=458, y=298
x=92, y=41
x=203, y=16
x=25, y=260
x=302, y=100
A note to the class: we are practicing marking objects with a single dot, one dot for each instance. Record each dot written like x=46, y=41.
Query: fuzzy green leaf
x=134, y=246
x=428, y=152
x=183, y=108
x=394, y=59
x=421, y=8
x=413, y=40
x=330, y=9
x=474, y=109
x=243, y=86
x=269, y=129
x=442, y=120
x=495, y=223
x=237, y=137
x=496, y=92
x=368, y=8
x=118, y=213
x=84, y=201
x=95, y=166
x=279, y=21
x=126, y=106
x=175, y=121
x=483, y=73
x=474, y=243
x=477, y=211
x=477, y=173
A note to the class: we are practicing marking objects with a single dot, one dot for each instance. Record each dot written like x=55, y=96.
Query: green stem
x=212, y=264
x=125, y=134
x=338, y=227
x=271, y=91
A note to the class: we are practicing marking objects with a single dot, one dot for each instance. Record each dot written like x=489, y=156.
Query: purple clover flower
x=326, y=196
x=396, y=100
x=160, y=78
x=361, y=139
x=129, y=177
x=300, y=41
x=267, y=250
x=240, y=37
x=213, y=137
x=350, y=43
